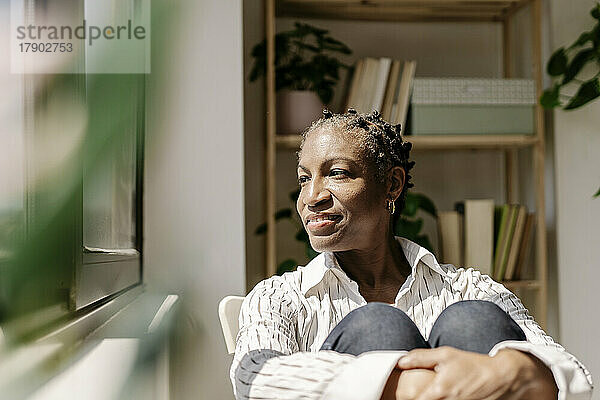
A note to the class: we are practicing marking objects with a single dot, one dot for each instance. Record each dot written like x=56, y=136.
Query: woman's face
x=341, y=204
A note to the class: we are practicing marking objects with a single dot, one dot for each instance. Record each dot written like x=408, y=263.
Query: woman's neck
x=381, y=268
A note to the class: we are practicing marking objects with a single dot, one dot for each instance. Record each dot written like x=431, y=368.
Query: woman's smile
x=322, y=223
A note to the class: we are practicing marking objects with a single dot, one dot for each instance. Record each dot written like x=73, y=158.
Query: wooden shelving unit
x=402, y=10
x=492, y=11
x=445, y=142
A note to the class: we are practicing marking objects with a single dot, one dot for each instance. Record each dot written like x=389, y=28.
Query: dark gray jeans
x=471, y=325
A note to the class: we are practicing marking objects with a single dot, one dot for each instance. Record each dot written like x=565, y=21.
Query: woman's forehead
x=330, y=142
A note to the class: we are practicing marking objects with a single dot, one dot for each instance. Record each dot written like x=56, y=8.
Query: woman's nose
x=317, y=192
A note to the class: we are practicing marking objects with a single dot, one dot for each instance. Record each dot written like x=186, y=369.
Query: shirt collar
x=315, y=270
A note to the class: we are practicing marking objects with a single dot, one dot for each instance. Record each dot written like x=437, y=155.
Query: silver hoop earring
x=391, y=206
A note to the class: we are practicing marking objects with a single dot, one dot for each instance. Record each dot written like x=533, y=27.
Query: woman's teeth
x=323, y=218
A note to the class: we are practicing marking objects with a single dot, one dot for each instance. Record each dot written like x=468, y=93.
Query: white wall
x=577, y=137
x=194, y=193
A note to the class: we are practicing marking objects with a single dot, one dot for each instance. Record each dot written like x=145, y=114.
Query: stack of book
x=382, y=84
x=494, y=240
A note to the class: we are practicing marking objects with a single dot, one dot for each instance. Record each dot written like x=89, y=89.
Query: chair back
x=229, y=312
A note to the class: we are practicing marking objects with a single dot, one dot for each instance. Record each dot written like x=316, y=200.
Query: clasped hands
x=451, y=374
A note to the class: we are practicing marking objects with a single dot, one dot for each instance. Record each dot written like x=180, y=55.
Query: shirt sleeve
x=268, y=364
x=572, y=378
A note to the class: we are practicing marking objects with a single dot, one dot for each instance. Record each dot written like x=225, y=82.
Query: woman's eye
x=338, y=172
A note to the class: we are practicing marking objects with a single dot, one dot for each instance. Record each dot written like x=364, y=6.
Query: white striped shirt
x=292, y=315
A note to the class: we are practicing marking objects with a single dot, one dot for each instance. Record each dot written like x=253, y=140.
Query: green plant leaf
x=411, y=205
x=583, y=39
x=306, y=46
x=282, y=48
x=329, y=43
x=259, y=67
x=549, y=98
x=283, y=213
x=286, y=266
x=588, y=91
x=280, y=214
x=325, y=94
x=577, y=64
x=302, y=236
x=261, y=229
x=596, y=36
x=426, y=204
x=294, y=195
x=408, y=228
x=423, y=240
x=310, y=252
x=306, y=29
x=557, y=65
x=597, y=194
x=596, y=12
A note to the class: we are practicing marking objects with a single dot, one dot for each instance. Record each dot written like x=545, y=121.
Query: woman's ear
x=396, y=180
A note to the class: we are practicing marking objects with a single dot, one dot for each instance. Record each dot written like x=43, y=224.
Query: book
x=356, y=97
x=404, y=91
x=497, y=221
x=479, y=234
x=353, y=90
x=516, y=241
x=515, y=244
x=365, y=94
x=390, y=90
x=500, y=237
x=506, y=241
x=380, y=83
x=450, y=230
x=525, y=248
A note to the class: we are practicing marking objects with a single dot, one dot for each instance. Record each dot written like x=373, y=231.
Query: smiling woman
x=375, y=316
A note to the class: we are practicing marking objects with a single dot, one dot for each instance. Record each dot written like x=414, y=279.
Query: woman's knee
x=474, y=324
x=378, y=315
x=482, y=310
x=374, y=326
x=473, y=315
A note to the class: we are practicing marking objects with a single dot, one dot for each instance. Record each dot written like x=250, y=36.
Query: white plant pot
x=296, y=109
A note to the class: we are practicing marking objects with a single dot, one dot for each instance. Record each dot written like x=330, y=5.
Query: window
x=112, y=188
x=71, y=176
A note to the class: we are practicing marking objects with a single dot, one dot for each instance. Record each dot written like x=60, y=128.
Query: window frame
x=102, y=274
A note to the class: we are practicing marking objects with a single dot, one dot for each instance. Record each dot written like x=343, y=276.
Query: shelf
x=401, y=10
x=441, y=142
x=498, y=12
x=525, y=284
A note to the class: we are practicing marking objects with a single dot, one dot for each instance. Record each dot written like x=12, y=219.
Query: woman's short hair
x=381, y=141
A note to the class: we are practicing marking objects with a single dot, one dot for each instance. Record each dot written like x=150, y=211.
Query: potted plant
x=565, y=66
x=305, y=74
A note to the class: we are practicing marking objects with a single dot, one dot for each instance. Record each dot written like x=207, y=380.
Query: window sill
x=103, y=344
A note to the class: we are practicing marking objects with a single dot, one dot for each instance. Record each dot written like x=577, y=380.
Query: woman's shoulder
x=293, y=282
x=275, y=293
x=470, y=277
x=286, y=284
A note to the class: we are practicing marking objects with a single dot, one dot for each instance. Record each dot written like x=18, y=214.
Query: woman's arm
x=570, y=375
x=268, y=364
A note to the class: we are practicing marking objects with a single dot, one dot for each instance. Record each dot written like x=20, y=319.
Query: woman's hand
x=464, y=375
x=407, y=385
